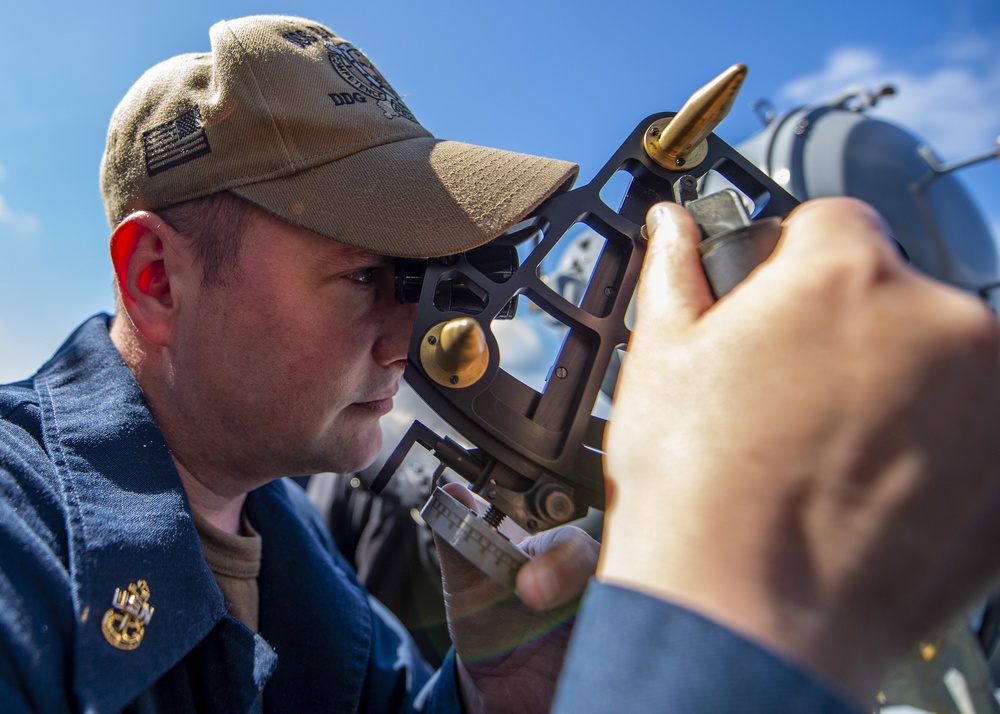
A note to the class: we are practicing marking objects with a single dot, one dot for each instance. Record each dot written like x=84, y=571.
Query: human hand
x=511, y=646
x=812, y=460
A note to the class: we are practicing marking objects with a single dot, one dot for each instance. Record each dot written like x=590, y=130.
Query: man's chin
x=362, y=451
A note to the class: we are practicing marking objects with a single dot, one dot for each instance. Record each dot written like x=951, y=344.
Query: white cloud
x=14, y=223
x=967, y=48
x=17, y=225
x=520, y=340
x=954, y=107
x=528, y=345
x=844, y=67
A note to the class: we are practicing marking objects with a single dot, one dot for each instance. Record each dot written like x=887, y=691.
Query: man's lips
x=381, y=404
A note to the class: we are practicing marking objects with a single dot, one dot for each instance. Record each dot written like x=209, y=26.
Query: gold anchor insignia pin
x=125, y=623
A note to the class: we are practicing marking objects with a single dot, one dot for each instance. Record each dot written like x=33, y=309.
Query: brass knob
x=678, y=143
x=455, y=353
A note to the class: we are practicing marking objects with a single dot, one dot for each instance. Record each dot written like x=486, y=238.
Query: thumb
x=563, y=561
x=453, y=563
x=460, y=577
x=673, y=291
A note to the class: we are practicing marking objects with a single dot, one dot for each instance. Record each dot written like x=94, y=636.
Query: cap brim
x=418, y=197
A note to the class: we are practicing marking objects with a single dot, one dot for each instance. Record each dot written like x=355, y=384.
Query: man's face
x=287, y=367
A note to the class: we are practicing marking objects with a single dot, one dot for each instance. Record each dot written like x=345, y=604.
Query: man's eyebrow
x=346, y=257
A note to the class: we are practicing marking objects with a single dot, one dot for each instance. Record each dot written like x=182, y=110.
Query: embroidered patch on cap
x=175, y=142
x=358, y=71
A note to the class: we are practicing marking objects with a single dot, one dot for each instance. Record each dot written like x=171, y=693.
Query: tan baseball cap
x=296, y=120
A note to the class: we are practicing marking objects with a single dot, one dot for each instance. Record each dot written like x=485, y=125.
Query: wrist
x=472, y=698
x=742, y=588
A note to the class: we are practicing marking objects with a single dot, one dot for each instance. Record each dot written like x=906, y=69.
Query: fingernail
x=548, y=586
x=656, y=217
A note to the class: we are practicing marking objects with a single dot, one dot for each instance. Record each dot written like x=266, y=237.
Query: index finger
x=834, y=225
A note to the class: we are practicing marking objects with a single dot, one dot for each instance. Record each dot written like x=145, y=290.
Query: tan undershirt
x=235, y=562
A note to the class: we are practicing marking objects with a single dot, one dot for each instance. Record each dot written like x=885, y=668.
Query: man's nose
x=393, y=343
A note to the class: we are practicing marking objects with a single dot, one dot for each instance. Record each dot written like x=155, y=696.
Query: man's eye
x=364, y=276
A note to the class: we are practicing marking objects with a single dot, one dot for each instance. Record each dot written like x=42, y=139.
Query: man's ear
x=142, y=247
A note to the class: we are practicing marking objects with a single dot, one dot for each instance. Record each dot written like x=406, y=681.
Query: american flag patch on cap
x=175, y=142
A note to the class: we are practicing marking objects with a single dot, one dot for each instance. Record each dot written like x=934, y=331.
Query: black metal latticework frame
x=538, y=455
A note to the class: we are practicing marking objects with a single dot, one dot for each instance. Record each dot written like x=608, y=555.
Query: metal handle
x=730, y=257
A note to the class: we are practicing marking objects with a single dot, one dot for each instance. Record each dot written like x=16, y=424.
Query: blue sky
x=564, y=79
